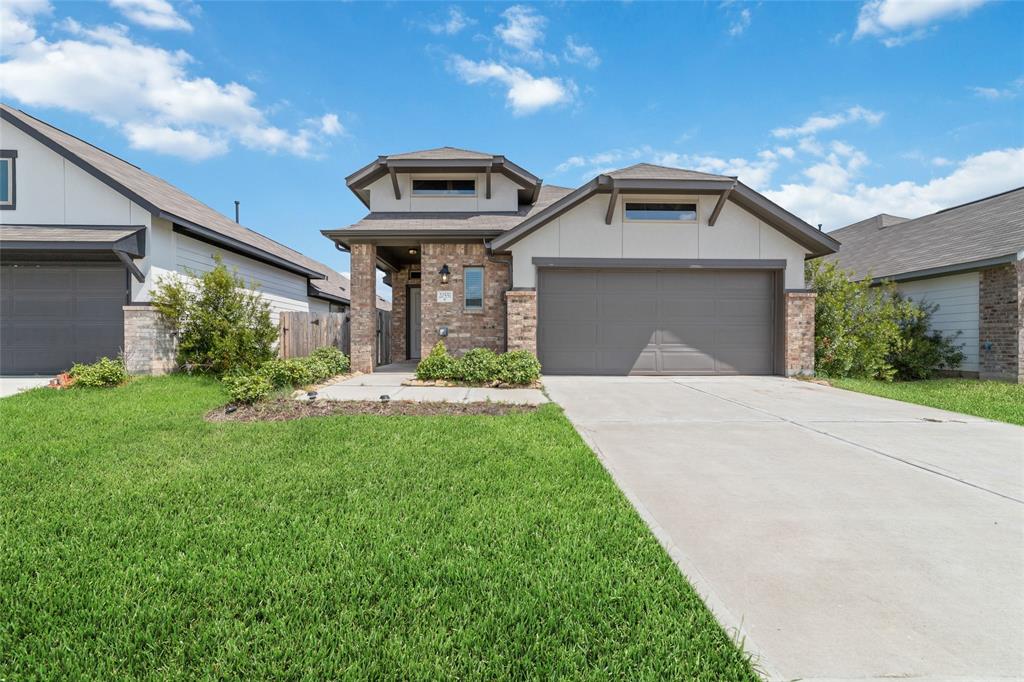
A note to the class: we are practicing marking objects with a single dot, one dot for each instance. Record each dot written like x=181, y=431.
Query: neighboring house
x=644, y=270
x=967, y=260
x=84, y=237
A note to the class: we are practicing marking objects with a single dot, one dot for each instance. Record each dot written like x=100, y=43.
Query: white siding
x=504, y=194
x=582, y=233
x=957, y=298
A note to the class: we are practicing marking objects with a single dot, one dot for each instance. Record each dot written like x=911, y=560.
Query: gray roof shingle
x=445, y=153
x=650, y=171
x=165, y=197
x=888, y=246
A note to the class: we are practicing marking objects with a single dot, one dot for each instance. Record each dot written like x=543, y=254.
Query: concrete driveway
x=14, y=385
x=843, y=536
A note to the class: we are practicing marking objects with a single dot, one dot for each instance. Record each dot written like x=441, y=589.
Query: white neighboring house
x=966, y=259
x=84, y=237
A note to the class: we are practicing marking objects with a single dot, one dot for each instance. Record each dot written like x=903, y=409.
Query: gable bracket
x=394, y=182
x=722, y=198
x=488, y=181
x=611, y=205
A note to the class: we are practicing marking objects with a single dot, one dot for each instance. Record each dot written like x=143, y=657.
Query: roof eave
x=951, y=269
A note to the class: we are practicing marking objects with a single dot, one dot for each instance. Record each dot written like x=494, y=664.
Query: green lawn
x=990, y=399
x=139, y=541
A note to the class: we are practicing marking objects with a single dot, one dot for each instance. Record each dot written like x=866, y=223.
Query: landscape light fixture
x=444, y=272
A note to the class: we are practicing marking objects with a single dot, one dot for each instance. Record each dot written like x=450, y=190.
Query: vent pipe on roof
x=236, y=210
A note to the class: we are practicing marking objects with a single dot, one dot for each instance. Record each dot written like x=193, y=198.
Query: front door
x=414, y=323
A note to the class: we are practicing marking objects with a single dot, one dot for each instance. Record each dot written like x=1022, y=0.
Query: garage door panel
x=52, y=316
x=656, y=321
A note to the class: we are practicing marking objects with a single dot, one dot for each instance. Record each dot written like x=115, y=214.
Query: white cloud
x=148, y=93
x=581, y=53
x=740, y=23
x=522, y=30
x=1011, y=91
x=157, y=14
x=785, y=152
x=17, y=22
x=820, y=201
x=886, y=19
x=526, y=94
x=941, y=161
x=453, y=24
x=817, y=124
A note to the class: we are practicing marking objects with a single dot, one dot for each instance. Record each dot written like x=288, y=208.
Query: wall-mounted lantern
x=444, y=272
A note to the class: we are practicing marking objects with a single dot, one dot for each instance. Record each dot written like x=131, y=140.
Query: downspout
x=508, y=266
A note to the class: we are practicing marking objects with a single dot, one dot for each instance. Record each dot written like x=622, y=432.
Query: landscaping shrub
x=332, y=357
x=318, y=370
x=477, y=366
x=519, y=367
x=865, y=331
x=248, y=388
x=437, y=366
x=222, y=325
x=105, y=372
x=922, y=350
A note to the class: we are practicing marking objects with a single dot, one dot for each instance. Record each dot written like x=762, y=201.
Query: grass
x=139, y=541
x=990, y=399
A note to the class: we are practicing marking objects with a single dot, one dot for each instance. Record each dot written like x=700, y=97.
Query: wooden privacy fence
x=302, y=333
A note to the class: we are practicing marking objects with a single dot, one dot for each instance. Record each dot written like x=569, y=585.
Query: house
x=965, y=259
x=643, y=270
x=84, y=237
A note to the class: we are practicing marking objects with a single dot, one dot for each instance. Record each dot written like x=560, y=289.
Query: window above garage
x=444, y=188
x=8, y=184
x=661, y=212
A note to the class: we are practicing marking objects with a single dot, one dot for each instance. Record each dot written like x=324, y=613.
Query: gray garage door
x=656, y=322
x=52, y=316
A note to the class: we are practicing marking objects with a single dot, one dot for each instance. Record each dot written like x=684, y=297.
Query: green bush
x=222, y=324
x=248, y=388
x=332, y=357
x=922, y=350
x=518, y=367
x=437, y=366
x=104, y=372
x=477, y=366
x=283, y=373
x=318, y=370
x=865, y=331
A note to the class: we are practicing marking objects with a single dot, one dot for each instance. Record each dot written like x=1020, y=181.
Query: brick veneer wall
x=150, y=345
x=522, y=319
x=466, y=329
x=1001, y=322
x=799, y=332
x=364, y=307
x=399, y=308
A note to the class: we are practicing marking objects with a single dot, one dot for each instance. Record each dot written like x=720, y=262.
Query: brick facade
x=150, y=345
x=364, y=307
x=466, y=328
x=1001, y=322
x=399, y=307
x=798, y=333
x=522, y=319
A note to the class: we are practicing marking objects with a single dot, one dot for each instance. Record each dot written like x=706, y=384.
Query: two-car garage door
x=54, y=315
x=686, y=321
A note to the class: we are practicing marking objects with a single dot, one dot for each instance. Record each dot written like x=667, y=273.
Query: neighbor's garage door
x=52, y=316
x=656, y=322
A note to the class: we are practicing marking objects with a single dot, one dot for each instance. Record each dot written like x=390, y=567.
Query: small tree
x=222, y=324
x=923, y=349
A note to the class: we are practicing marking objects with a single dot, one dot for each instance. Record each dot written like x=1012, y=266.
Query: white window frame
x=483, y=288
x=661, y=200
x=447, y=178
x=10, y=157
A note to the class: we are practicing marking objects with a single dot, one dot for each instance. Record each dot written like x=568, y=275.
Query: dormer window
x=8, y=184
x=680, y=213
x=444, y=188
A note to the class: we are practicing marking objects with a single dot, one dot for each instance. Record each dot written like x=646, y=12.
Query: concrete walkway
x=844, y=536
x=389, y=382
x=13, y=385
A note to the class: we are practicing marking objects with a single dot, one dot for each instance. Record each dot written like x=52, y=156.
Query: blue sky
x=835, y=110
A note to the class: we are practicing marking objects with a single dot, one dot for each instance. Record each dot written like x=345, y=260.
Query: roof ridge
x=976, y=201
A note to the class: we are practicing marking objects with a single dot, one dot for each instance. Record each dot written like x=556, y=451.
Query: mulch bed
x=284, y=409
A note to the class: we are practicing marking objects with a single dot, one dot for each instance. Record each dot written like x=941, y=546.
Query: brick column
x=799, y=332
x=364, y=307
x=1001, y=322
x=522, y=319
x=150, y=345
x=399, y=313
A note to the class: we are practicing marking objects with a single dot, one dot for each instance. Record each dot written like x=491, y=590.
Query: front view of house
x=643, y=270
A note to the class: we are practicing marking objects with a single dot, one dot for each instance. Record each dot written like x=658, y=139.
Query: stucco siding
x=504, y=195
x=957, y=298
x=582, y=233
